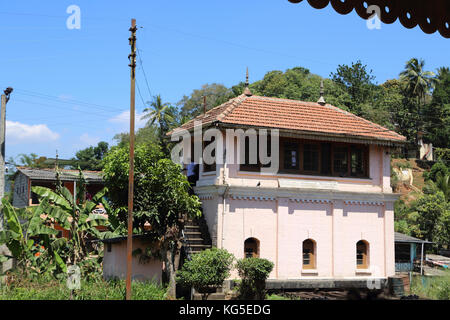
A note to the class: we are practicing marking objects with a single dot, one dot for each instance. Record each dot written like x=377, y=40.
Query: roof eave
x=321, y=135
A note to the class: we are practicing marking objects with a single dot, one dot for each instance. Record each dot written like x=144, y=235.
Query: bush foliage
x=207, y=269
x=253, y=273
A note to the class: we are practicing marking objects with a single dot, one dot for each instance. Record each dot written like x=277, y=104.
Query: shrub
x=439, y=168
x=206, y=270
x=442, y=154
x=253, y=273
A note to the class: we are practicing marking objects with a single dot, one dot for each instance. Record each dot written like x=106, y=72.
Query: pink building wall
x=283, y=210
x=115, y=266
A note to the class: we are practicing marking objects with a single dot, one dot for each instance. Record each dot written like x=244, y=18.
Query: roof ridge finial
x=247, y=91
x=321, y=100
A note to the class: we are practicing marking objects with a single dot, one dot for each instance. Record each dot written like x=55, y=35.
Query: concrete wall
x=377, y=182
x=21, y=192
x=114, y=263
x=283, y=210
x=283, y=224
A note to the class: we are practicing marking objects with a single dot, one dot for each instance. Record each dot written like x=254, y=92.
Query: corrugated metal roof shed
x=400, y=237
x=65, y=175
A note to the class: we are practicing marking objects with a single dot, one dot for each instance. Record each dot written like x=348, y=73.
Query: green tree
x=358, y=82
x=253, y=273
x=432, y=212
x=206, y=270
x=162, y=114
x=91, y=158
x=147, y=135
x=419, y=83
x=161, y=199
x=298, y=84
x=192, y=105
x=31, y=160
x=437, y=113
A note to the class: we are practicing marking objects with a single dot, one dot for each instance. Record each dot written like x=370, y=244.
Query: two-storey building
x=326, y=212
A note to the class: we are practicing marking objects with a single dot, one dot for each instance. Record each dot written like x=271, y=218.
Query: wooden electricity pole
x=132, y=58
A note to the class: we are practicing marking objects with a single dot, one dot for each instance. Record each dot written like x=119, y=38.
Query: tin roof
x=400, y=237
x=65, y=175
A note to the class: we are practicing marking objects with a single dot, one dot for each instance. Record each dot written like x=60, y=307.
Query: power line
x=143, y=71
x=66, y=100
x=140, y=95
x=101, y=115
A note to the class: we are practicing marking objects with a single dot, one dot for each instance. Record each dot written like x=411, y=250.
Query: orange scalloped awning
x=431, y=16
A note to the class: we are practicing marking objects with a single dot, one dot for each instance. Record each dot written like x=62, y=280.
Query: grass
x=280, y=297
x=435, y=288
x=90, y=290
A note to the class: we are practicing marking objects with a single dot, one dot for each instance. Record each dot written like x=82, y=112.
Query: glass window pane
x=357, y=161
x=340, y=161
x=291, y=156
x=311, y=157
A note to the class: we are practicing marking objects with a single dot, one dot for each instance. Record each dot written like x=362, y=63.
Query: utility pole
x=132, y=65
x=4, y=101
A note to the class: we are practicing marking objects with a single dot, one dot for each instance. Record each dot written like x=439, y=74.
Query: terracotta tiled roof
x=294, y=115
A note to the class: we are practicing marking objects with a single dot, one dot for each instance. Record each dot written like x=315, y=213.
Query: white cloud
x=123, y=119
x=88, y=140
x=17, y=132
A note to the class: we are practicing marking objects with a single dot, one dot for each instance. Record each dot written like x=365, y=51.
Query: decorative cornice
x=301, y=200
x=206, y=197
x=370, y=203
x=262, y=198
x=304, y=194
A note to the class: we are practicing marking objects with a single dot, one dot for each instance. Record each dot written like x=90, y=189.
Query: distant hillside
x=409, y=193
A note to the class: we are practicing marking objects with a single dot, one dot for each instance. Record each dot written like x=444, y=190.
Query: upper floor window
x=340, y=161
x=252, y=162
x=251, y=157
x=291, y=159
x=311, y=160
x=312, y=157
x=358, y=161
x=212, y=166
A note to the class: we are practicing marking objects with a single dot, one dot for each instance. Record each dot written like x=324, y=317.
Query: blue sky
x=71, y=87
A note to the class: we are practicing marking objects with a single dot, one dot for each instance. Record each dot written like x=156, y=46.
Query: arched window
x=309, y=254
x=251, y=248
x=362, y=254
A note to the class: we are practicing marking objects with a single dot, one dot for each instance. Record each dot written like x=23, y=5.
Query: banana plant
x=76, y=216
x=24, y=228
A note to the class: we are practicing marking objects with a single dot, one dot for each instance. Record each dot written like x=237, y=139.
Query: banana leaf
x=43, y=192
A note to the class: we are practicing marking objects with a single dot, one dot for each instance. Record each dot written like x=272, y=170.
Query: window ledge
x=209, y=173
x=310, y=271
x=363, y=271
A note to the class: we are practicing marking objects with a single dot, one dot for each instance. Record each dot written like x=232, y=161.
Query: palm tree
x=160, y=113
x=443, y=184
x=443, y=72
x=418, y=85
x=419, y=82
